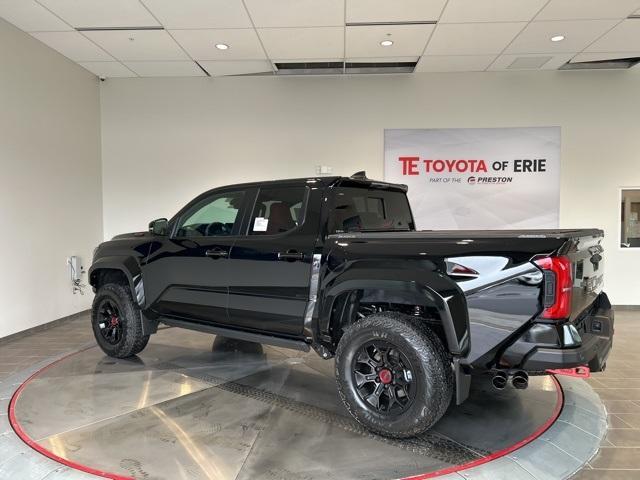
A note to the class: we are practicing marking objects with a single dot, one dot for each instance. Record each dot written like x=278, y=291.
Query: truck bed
x=455, y=234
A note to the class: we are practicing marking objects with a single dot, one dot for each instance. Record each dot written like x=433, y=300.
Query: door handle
x=291, y=256
x=217, y=253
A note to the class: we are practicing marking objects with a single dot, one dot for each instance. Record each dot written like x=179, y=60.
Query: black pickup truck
x=335, y=264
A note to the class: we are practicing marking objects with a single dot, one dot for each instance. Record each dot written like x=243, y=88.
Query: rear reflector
x=558, y=282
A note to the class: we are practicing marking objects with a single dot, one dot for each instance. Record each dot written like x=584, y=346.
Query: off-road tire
x=132, y=340
x=432, y=373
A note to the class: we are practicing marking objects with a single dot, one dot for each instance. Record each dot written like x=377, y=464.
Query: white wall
x=166, y=140
x=50, y=194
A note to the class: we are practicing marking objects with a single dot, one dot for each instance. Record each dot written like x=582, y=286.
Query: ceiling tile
x=317, y=42
x=166, y=69
x=536, y=38
x=200, y=44
x=393, y=11
x=625, y=37
x=454, y=63
x=296, y=13
x=531, y=62
x=73, y=45
x=29, y=16
x=587, y=9
x=101, y=13
x=600, y=56
x=461, y=11
x=200, y=13
x=408, y=40
x=108, y=69
x=138, y=45
x=241, y=67
x=503, y=62
x=472, y=38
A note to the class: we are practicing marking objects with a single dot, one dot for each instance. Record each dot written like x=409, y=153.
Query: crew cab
x=335, y=264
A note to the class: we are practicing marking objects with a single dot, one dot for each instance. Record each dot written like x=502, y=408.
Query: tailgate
x=587, y=261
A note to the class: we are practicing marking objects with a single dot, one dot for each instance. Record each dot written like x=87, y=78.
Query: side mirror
x=159, y=226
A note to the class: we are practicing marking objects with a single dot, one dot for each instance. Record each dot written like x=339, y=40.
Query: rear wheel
x=116, y=322
x=394, y=375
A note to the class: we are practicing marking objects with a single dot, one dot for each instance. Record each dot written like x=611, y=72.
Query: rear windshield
x=368, y=209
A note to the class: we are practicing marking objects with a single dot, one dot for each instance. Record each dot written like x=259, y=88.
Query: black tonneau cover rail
x=455, y=234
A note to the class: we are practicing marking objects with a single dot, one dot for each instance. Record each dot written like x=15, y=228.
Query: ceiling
x=130, y=38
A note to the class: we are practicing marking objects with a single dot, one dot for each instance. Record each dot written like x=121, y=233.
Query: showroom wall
x=166, y=140
x=50, y=195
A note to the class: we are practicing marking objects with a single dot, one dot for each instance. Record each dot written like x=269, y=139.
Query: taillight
x=558, y=283
x=457, y=269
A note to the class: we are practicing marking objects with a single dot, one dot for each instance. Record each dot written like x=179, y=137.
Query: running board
x=239, y=334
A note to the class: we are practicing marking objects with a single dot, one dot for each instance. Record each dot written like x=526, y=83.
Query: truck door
x=187, y=276
x=271, y=264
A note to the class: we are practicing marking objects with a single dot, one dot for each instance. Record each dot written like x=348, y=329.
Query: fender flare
x=127, y=265
x=418, y=288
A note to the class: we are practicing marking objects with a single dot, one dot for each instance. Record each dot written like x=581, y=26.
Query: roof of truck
x=288, y=181
x=357, y=178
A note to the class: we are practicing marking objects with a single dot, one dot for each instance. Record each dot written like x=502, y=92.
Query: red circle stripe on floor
x=505, y=451
x=15, y=424
x=41, y=449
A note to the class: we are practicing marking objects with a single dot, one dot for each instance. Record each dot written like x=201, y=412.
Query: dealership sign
x=477, y=178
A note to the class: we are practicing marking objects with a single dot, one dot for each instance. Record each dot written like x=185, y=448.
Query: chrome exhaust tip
x=520, y=380
x=499, y=380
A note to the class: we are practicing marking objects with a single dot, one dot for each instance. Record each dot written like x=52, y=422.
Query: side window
x=361, y=209
x=278, y=210
x=214, y=216
x=629, y=219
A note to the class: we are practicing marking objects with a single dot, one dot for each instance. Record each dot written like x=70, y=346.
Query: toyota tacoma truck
x=335, y=264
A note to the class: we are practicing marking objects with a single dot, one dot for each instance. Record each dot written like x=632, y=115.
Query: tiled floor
x=23, y=352
x=619, y=387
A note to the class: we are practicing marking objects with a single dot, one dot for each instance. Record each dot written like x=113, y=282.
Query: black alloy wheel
x=394, y=374
x=383, y=378
x=110, y=322
x=117, y=322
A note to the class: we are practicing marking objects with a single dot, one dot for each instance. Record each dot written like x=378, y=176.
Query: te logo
x=471, y=180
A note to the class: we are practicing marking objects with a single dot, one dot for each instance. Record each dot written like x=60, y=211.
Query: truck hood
x=131, y=236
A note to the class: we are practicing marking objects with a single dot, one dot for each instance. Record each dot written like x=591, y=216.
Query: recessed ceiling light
x=386, y=43
x=222, y=46
x=557, y=38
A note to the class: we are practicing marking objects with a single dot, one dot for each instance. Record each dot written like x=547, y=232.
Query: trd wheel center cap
x=386, y=376
x=114, y=321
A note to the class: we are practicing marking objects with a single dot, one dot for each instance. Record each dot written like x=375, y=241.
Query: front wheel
x=394, y=375
x=116, y=322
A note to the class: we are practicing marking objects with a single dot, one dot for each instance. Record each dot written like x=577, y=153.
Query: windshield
x=362, y=209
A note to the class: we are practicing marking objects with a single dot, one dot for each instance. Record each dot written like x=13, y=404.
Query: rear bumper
x=561, y=348
x=593, y=353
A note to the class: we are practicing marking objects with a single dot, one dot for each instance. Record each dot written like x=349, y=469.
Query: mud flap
x=149, y=325
x=463, y=382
